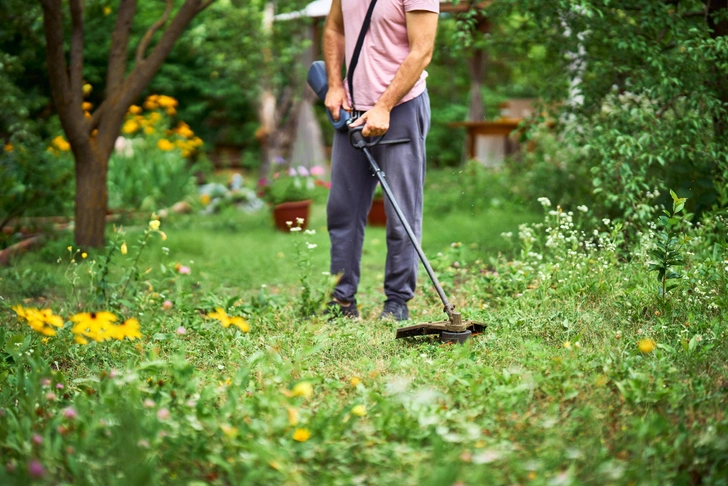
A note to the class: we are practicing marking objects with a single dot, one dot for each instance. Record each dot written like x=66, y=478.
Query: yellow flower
x=359, y=410
x=130, y=126
x=241, y=323
x=129, y=329
x=84, y=255
x=205, y=199
x=303, y=389
x=9, y=147
x=124, y=249
x=567, y=345
x=165, y=145
x=107, y=10
x=171, y=111
x=301, y=435
x=228, y=321
x=355, y=380
x=167, y=101
x=87, y=88
x=163, y=235
x=183, y=130
x=135, y=110
x=60, y=143
x=40, y=320
x=86, y=106
x=80, y=340
x=94, y=325
x=151, y=102
x=149, y=130
x=646, y=345
x=293, y=416
x=154, y=225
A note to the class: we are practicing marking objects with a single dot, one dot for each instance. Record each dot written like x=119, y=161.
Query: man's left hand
x=377, y=122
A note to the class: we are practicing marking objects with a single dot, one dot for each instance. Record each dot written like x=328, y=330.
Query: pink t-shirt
x=385, y=46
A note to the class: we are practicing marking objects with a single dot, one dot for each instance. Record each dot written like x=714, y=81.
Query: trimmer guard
x=436, y=328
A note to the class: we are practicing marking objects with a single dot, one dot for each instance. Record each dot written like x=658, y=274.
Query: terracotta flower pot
x=289, y=211
x=377, y=216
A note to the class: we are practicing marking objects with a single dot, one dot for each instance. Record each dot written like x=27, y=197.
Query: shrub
x=151, y=167
x=294, y=185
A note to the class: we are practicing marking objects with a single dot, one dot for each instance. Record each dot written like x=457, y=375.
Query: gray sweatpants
x=352, y=190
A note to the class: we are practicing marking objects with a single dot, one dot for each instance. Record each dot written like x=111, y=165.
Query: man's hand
x=377, y=122
x=335, y=100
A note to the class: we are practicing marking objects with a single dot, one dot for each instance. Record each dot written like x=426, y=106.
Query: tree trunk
x=476, y=66
x=91, y=199
x=92, y=141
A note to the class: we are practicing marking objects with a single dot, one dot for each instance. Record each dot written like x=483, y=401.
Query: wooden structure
x=490, y=142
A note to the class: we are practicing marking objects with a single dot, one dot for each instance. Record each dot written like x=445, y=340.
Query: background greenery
x=604, y=360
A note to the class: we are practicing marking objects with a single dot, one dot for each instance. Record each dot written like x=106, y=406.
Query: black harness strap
x=357, y=51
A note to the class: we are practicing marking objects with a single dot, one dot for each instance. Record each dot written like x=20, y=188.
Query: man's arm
x=334, y=51
x=421, y=30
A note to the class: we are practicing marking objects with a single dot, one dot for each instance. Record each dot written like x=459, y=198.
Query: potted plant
x=377, y=216
x=291, y=192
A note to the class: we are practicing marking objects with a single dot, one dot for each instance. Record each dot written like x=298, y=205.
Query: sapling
x=666, y=254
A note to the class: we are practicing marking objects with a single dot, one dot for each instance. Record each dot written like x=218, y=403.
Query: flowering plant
x=291, y=185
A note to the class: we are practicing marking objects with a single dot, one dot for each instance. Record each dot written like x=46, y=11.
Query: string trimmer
x=454, y=329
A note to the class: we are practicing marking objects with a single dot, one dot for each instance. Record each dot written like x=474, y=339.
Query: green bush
x=35, y=180
x=151, y=166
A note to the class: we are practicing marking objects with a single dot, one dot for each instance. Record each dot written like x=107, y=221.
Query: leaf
x=694, y=342
x=667, y=348
x=14, y=345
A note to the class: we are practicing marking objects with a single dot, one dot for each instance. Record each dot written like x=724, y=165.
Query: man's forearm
x=405, y=78
x=333, y=56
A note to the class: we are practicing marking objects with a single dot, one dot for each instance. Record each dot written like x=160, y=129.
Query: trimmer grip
x=319, y=83
x=318, y=80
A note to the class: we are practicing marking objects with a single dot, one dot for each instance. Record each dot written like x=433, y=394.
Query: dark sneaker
x=335, y=309
x=395, y=309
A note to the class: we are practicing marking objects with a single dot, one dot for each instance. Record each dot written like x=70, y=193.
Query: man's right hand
x=335, y=100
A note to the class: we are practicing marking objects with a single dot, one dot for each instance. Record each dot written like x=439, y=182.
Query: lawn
x=583, y=376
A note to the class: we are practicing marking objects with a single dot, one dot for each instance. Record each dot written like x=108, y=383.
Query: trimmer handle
x=319, y=83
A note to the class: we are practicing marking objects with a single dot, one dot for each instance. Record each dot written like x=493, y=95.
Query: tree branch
x=669, y=105
x=76, y=67
x=119, y=45
x=205, y=5
x=70, y=113
x=140, y=77
x=144, y=43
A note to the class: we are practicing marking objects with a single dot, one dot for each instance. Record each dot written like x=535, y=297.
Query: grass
x=556, y=391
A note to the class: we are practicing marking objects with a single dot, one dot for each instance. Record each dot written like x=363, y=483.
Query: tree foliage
x=639, y=90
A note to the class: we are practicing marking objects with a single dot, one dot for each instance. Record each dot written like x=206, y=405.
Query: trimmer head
x=454, y=330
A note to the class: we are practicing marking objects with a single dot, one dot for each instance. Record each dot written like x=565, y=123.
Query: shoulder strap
x=357, y=50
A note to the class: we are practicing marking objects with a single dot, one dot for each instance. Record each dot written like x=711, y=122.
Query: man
x=389, y=89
